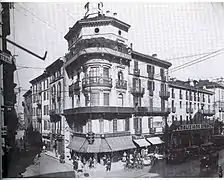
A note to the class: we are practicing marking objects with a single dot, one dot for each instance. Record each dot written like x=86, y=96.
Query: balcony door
x=94, y=73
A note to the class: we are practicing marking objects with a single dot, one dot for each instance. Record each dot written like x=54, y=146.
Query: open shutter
x=153, y=69
x=134, y=83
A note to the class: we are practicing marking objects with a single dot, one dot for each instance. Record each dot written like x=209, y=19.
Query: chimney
x=154, y=55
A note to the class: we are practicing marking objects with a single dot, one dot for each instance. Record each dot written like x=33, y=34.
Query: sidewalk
x=117, y=170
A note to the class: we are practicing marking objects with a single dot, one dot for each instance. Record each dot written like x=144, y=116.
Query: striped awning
x=120, y=143
x=142, y=142
x=76, y=143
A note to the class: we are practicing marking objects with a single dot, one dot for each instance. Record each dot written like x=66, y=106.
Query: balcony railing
x=121, y=84
x=137, y=72
x=208, y=112
x=74, y=87
x=173, y=109
x=164, y=94
x=153, y=111
x=151, y=75
x=97, y=81
x=138, y=91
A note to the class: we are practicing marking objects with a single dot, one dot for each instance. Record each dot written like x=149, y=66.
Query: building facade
x=27, y=105
x=192, y=114
x=117, y=97
x=56, y=104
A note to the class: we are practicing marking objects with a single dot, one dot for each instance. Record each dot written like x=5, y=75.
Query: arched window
x=120, y=100
x=120, y=76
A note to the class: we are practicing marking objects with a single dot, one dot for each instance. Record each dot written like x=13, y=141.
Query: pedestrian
x=80, y=166
x=90, y=163
x=109, y=164
x=220, y=171
x=104, y=160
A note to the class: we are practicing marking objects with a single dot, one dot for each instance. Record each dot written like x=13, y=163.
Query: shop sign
x=6, y=58
x=194, y=127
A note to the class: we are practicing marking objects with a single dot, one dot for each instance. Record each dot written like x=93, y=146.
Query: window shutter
x=153, y=69
x=139, y=83
x=153, y=86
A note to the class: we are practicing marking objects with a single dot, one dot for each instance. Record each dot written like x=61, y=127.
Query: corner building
x=116, y=95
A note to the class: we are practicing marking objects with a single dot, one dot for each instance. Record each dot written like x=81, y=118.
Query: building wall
x=181, y=110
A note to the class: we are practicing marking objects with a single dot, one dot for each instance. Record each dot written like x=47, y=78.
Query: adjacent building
x=116, y=97
x=27, y=106
x=56, y=104
x=192, y=114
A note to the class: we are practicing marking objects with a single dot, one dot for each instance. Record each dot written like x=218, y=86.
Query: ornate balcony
x=74, y=88
x=152, y=111
x=97, y=81
x=121, y=84
x=138, y=91
x=208, y=112
x=136, y=72
x=164, y=94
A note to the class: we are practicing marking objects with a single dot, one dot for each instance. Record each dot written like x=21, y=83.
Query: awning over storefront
x=120, y=143
x=142, y=142
x=155, y=140
x=99, y=145
x=76, y=143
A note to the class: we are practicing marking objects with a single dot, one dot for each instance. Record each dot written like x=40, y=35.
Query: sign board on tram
x=5, y=57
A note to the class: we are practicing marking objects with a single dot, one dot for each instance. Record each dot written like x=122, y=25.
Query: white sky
x=169, y=30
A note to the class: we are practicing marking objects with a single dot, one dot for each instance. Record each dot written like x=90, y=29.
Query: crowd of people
x=81, y=164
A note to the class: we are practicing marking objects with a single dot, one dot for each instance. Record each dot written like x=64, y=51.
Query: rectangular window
x=44, y=95
x=44, y=109
x=94, y=71
x=181, y=120
x=162, y=72
x=180, y=94
x=47, y=109
x=127, y=125
x=187, y=119
x=47, y=94
x=150, y=69
x=150, y=122
x=114, y=125
x=95, y=100
x=135, y=64
x=45, y=125
x=180, y=104
x=36, y=111
x=186, y=95
x=106, y=99
x=106, y=72
x=151, y=86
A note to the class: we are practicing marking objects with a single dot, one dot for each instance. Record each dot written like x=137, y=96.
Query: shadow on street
x=68, y=174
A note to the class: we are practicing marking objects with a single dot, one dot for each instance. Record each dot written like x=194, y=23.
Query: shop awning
x=155, y=140
x=104, y=147
x=76, y=143
x=120, y=143
x=91, y=148
x=142, y=142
